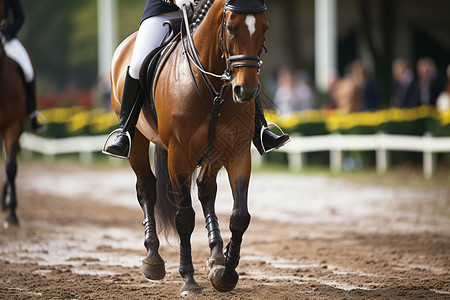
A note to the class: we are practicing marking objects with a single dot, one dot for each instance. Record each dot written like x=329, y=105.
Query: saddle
x=155, y=60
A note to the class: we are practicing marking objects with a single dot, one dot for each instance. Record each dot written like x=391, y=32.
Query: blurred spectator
x=367, y=87
x=293, y=92
x=333, y=78
x=356, y=91
x=403, y=77
x=427, y=86
x=443, y=101
x=345, y=94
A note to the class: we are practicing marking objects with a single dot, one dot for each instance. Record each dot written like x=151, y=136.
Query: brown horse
x=13, y=113
x=227, y=38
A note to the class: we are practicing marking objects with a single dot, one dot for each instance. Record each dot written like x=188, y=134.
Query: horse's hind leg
x=207, y=190
x=153, y=265
x=9, y=198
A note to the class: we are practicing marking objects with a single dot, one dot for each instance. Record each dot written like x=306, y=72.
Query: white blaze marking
x=250, y=20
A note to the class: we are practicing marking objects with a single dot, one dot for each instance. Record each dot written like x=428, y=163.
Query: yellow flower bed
x=98, y=120
x=101, y=120
x=336, y=120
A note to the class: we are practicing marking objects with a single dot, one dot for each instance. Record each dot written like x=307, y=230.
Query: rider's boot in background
x=129, y=114
x=30, y=90
x=263, y=139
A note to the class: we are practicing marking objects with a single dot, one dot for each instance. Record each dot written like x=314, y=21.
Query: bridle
x=232, y=62
x=235, y=61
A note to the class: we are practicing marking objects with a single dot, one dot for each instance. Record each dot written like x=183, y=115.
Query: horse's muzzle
x=243, y=93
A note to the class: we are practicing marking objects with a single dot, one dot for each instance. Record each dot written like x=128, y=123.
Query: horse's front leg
x=9, y=198
x=180, y=170
x=225, y=279
x=153, y=265
x=207, y=190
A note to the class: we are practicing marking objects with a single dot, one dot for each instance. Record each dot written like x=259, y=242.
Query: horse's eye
x=230, y=30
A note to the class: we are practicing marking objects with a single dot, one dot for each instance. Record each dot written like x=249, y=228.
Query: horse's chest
x=233, y=137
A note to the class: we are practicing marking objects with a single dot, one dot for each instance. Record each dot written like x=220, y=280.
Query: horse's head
x=244, y=25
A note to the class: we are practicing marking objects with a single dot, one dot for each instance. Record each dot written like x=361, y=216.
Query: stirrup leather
x=261, y=137
x=120, y=132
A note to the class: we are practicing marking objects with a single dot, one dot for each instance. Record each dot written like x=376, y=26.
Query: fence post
x=429, y=158
x=256, y=158
x=382, y=155
x=86, y=157
x=295, y=161
x=336, y=153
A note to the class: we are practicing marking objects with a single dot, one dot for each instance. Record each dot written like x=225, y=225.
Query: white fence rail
x=85, y=146
x=336, y=144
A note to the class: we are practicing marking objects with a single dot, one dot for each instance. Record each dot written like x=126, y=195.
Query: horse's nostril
x=239, y=91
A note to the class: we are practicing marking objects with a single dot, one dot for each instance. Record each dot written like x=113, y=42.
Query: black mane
x=200, y=12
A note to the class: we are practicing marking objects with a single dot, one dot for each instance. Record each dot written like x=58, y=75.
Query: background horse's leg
x=180, y=170
x=153, y=265
x=9, y=198
x=225, y=279
x=207, y=190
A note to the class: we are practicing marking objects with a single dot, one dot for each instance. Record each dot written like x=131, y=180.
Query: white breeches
x=150, y=35
x=16, y=51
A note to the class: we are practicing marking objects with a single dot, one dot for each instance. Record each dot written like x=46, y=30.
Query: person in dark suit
x=427, y=86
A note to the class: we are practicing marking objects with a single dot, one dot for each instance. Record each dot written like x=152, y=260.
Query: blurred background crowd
x=358, y=89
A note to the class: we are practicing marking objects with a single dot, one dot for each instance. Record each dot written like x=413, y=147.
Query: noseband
x=235, y=61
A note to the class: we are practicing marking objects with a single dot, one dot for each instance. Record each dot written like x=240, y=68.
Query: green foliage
x=62, y=38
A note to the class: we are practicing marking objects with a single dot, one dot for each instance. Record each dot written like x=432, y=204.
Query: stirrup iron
x=261, y=137
x=41, y=116
x=121, y=132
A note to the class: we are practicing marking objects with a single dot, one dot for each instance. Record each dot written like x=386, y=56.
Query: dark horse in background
x=227, y=38
x=13, y=114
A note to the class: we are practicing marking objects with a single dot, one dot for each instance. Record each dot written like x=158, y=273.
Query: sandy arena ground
x=311, y=237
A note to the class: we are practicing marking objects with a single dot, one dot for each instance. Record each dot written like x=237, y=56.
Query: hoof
x=191, y=289
x=212, y=263
x=153, y=268
x=11, y=222
x=221, y=282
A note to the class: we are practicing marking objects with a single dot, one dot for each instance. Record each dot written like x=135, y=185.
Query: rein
x=233, y=61
x=218, y=97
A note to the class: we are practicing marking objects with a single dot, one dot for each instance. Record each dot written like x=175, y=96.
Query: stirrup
x=37, y=114
x=121, y=132
x=261, y=137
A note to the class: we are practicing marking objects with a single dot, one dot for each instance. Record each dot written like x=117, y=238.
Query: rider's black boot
x=265, y=140
x=132, y=101
x=30, y=90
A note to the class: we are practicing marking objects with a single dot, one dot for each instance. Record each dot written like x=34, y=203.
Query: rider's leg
x=17, y=52
x=270, y=141
x=30, y=89
x=129, y=115
x=150, y=34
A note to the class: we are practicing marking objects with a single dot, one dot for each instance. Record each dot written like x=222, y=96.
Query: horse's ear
x=245, y=6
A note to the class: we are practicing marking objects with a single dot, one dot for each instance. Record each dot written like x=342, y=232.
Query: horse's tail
x=165, y=207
